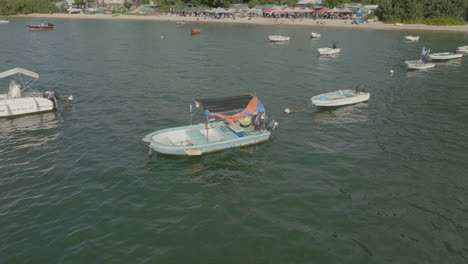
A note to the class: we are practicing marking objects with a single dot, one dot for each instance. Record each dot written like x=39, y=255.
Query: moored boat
x=21, y=99
x=423, y=62
x=463, y=49
x=180, y=22
x=278, y=38
x=195, y=31
x=411, y=38
x=341, y=97
x=42, y=26
x=231, y=122
x=314, y=35
x=329, y=51
x=4, y=21
x=445, y=56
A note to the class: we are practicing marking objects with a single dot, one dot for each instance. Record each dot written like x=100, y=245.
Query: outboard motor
x=271, y=125
x=55, y=97
x=359, y=89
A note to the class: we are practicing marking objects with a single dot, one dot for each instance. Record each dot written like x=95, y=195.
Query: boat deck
x=217, y=133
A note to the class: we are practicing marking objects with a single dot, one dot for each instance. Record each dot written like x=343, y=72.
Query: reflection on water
x=30, y=122
x=456, y=62
x=341, y=115
x=419, y=73
x=327, y=57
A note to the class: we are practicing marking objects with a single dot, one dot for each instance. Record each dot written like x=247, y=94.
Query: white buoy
x=392, y=72
x=287, y=111
x=162, y=36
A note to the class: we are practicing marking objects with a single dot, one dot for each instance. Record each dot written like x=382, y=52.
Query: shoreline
x=257, y=21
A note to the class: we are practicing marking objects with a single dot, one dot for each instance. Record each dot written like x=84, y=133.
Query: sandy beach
x=259, y=21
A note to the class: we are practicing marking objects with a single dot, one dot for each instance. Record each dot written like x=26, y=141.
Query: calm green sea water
x=380, y=182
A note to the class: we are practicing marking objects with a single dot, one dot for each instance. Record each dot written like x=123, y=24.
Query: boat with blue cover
x=423, y=62
x=341, y=97
x=231, y=122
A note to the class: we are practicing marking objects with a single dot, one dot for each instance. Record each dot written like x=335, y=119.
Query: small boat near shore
x=329, y=51
x=180, y=22
x=278, y=38
x=463, y=49
x=445, y=56
x=195, y=31
x=42, y=26
x=411, y=38
x=21, y=99
x=421, y=64
x=231, y=122
x=341, y=97
x=314, y=35
x=4, y=21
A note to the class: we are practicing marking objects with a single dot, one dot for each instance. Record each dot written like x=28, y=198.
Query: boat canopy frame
x=25, y=85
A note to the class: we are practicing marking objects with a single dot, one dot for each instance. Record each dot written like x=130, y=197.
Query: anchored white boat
x=329, y=51
x=21, y=99
x=422, y=63
x=278, y=38
x=463, y=49
x=341, y=97
x=445, y=56
x=315, y=35
x=231, y=122
x=4, y=21
x=411, y=38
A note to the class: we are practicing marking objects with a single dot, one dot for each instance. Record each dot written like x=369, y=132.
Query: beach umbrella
x=346, y=10
x=299, y=10
x=267, y=10
x=288, y=10
x=335, y=10
x=323, y=10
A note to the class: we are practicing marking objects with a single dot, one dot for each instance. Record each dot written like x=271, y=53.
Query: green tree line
x=11, y=7
x=424, y=11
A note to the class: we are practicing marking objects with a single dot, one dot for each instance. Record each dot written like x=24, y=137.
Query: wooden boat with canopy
x=231, y=122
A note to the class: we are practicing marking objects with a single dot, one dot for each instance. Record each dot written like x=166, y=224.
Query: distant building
x=353, y=5
x=110, y=2
x=306, y=2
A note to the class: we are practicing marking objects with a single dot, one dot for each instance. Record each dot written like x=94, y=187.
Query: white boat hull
x=328, y=51
x=411, y=38
x=463, y=49
x=339, y=98
x=278, y=38
x=314, y=35
x=24, y=106
x=445, y=56
x=419, y=65
x=193, y=140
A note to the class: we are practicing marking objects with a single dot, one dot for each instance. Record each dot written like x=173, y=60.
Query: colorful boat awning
x=231, y=108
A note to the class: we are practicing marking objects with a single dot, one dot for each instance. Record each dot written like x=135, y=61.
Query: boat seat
x=246, y=121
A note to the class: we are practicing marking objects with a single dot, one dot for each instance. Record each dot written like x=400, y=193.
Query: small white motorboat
x=341, y=97
x=411, y=38
x=231, y=122
x=329, y=51
x=4, y=21
x=278, y=38
x=315, y=35
x=423, y=63
x=22, y=100
x=419, y=65
x=445, y=56
x=180, y=22
x=463, y=49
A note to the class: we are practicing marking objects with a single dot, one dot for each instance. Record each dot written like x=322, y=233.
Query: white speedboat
x=329, y=51
x=180, y=22
x=278, y=38
x=315, y=35
x=411, y=38
x=341, y=97
x=463, y=49
x=21, y=99
x=419, y=65
x=231, y=122
x=4, y=21
x=445, y=56
x=422, y=63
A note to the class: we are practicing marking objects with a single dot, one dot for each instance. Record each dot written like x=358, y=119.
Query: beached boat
x=462, y=49
x=195, y=31
x=314, y=35
x=21, y=99
x=43, y=26
x=445, y=56
x=4, y=21
x=231, y=122
x=341, y=97
x=278, y=38
x=423, y=62
x=411, y=38
x=329, y=51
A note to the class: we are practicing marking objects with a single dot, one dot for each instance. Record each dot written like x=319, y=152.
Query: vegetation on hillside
x=11, y=7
